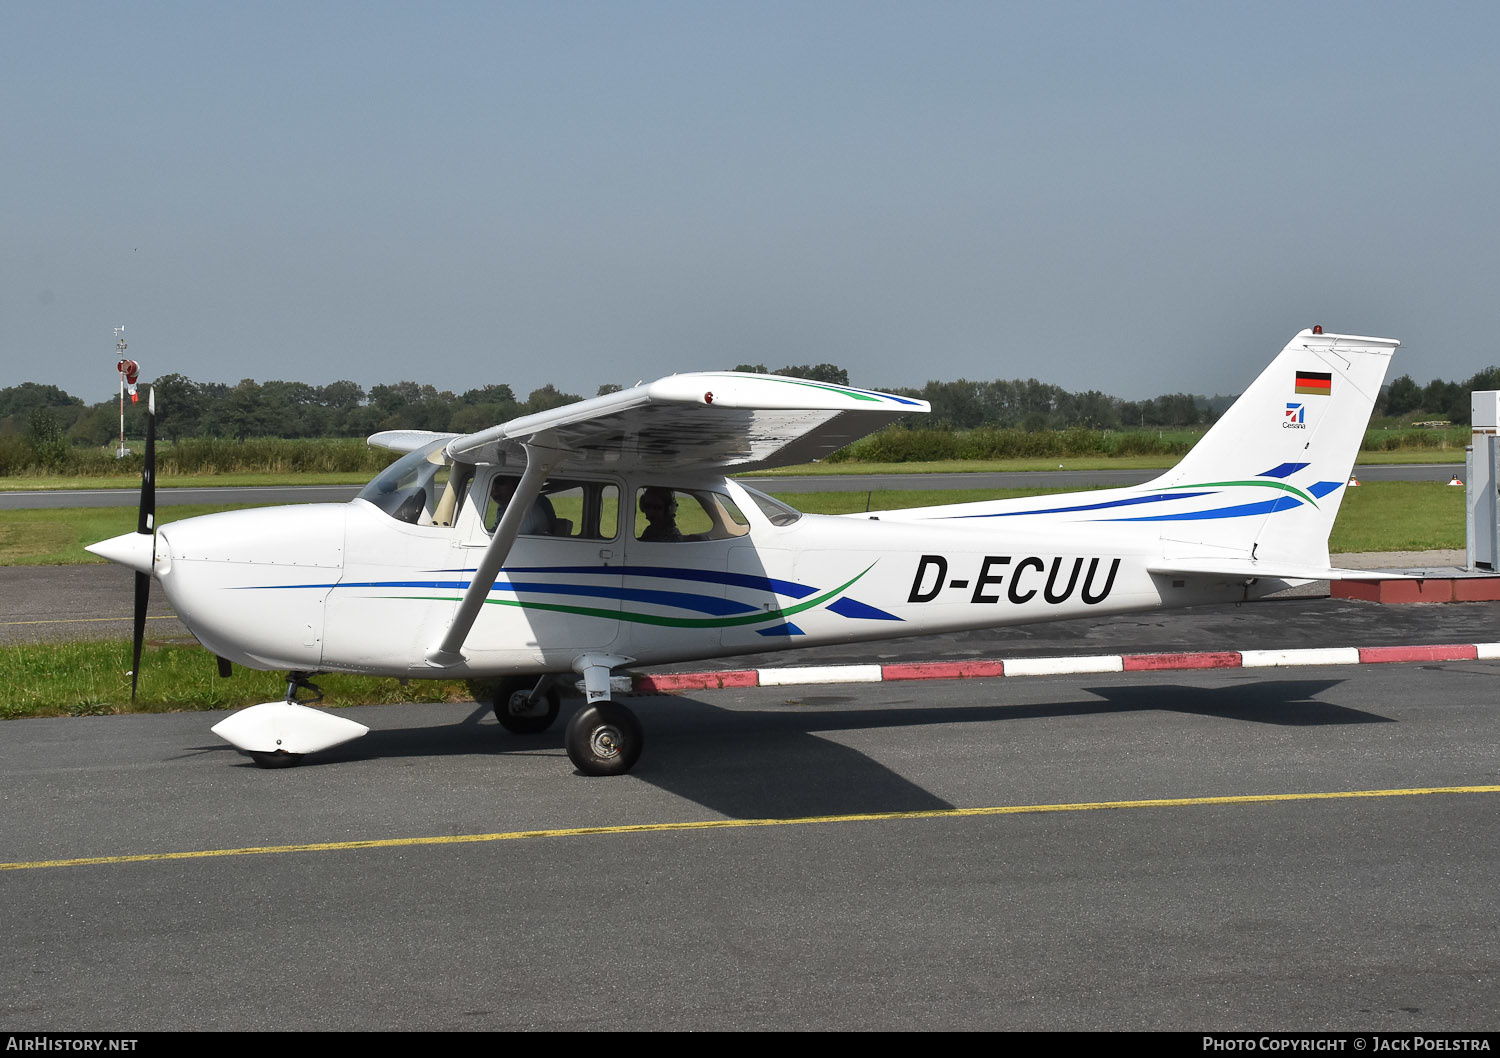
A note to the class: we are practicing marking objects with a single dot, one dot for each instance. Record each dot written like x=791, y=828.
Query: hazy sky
x=1134, y=197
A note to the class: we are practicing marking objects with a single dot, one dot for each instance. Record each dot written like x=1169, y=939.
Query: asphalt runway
x=67, y=604
x=1202, y=866
x=168, y=496
x=1061, y=480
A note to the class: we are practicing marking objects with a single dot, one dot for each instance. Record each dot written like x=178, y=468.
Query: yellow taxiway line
x=731, y=824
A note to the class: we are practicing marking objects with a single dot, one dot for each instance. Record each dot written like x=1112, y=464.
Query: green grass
x=1411, y=455
x=1400, y=516
x=56, y=537
x=93, y=679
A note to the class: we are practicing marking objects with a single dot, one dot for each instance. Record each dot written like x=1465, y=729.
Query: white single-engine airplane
x=606, y=534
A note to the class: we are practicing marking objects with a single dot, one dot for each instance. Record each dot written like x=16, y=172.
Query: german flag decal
x=1319, y=382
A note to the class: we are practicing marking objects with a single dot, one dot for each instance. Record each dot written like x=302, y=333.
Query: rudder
x=1279, y=459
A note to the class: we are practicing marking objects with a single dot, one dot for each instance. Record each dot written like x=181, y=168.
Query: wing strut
x=539, y=462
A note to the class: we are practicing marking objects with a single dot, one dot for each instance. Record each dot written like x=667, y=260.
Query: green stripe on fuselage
x=658, y=619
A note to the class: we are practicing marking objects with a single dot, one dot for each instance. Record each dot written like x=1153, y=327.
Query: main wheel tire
x=279, y=759
x=510, y=702
x=604, y=739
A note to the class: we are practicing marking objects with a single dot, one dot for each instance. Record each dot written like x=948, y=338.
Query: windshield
x=415, y=488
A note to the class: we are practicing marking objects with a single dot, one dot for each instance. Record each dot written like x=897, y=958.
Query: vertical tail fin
x=1274, y=467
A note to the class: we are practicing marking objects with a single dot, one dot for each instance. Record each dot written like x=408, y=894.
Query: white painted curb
x=1275, y=659
x=820, y=674
x=1064, y=666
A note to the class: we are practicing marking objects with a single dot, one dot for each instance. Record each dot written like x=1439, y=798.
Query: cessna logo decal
x=1027, y=578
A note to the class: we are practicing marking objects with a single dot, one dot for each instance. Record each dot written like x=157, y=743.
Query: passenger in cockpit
x=538, y=521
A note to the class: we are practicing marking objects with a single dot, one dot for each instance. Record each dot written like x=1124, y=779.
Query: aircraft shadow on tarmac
x=1287, y=703
x=769, y=763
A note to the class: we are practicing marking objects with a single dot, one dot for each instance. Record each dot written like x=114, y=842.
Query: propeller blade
x=145, y=523
x=138, y=630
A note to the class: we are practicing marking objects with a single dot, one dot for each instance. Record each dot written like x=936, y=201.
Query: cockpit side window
x=579, y=510
x=668, y=515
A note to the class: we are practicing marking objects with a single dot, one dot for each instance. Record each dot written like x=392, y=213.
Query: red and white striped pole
x=129, y=371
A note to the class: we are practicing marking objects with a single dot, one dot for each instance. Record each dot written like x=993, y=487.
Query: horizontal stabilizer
x=1244, y=569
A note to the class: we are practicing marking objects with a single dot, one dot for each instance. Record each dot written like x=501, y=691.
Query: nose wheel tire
x=280, y=759
x=604, y=739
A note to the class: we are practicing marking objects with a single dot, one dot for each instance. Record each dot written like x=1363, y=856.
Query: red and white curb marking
x=669, y=682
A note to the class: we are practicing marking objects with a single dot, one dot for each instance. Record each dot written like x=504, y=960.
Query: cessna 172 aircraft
x=517, y=554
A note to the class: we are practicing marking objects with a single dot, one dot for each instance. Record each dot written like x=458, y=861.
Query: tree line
x=48, y=418
x=1404, y=399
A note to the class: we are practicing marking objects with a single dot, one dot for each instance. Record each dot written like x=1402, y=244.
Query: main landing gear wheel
x=513, y=707
x=604, y=739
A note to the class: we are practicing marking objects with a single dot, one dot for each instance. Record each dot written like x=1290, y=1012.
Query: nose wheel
x=604, y=738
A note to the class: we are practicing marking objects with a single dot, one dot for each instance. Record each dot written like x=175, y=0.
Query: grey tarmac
x=1327, y=913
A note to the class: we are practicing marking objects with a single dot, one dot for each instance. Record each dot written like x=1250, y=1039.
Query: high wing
x=721, y=421
x=718, y=421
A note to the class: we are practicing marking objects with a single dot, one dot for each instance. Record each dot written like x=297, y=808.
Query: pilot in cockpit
x=538, y=521
x=660, y=508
